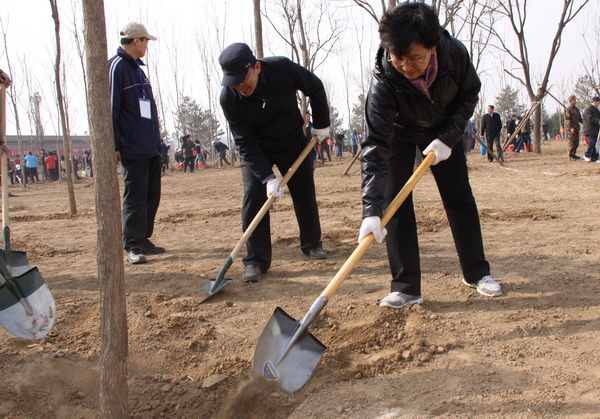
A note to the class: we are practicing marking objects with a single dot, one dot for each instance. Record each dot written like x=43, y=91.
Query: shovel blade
x=214, y=286
x=32, y=316
x=17, y=263
x=299, y=361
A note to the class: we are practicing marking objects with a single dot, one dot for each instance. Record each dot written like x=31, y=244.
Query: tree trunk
x=63, y=120
x=111, y=276
x=537, y=126
x=258, y=30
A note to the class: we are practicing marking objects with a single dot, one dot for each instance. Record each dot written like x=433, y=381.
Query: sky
x=191, y=33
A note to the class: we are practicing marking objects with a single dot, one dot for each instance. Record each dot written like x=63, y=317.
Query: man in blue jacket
x=137, y=141
x=259, y=102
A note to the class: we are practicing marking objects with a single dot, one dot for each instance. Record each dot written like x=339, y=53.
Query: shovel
x=286, y=351
x=16, y=262
x=26, y=303
x=217, y=284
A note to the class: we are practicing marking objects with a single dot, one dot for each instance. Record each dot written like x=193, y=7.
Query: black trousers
x=189, y=161
x=141, y=197
x=490, y=141
x=302, y=190
x=402, y=244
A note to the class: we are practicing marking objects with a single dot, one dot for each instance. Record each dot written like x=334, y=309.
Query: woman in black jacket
x=423, y=91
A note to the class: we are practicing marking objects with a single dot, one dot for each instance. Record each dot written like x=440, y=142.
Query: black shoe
x=317, y=253
x=152, y=249
x=135, y=256
x=575, y=157
x=252, y=273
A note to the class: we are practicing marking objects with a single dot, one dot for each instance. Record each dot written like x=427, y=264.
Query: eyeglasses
x=412, y=62
x=247, y=79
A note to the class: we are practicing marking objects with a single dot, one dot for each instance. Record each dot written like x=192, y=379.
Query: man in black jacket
x=259, y=102
x=423, y=91
x=591, y=127
x=491, y=125
x=221, y=150
x=137, y=142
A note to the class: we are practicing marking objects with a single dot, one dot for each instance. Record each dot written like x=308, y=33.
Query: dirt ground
x=531, y=353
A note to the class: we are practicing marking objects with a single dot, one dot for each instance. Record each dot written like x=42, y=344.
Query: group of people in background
x=191, y=154
x=578, y=124
x=27, y=170
x=491, y=134
x=591, y=127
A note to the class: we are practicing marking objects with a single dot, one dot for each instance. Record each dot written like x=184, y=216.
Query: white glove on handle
x=321, y=133
x=441, y=150
x=273, y=189
x=372, y=224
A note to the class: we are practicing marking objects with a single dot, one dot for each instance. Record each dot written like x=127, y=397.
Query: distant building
x=79, y=143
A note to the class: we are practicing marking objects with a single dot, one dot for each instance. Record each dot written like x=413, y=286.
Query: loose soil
x=531, y=353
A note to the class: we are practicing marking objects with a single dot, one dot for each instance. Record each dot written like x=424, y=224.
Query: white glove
x=321, y=133
x=441, y=150
x=372, y=224
x=273, y=189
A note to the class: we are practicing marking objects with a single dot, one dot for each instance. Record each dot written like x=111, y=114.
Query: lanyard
x=141, y=73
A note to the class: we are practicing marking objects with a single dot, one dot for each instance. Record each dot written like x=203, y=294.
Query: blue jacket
x=136, y=138
x=30, y=161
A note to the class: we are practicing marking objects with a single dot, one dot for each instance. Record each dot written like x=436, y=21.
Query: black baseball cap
x=596, y=99
x=235, y=60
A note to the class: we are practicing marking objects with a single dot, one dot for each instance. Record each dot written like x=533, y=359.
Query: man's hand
x=441, y=150
x=274, y=190
x=117, y=156
x=321, y=133
x=372, y=224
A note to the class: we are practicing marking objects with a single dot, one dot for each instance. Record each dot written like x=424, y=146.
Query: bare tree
x=12, y=94
x=311, y=38
x=366, y=5
x=61, y=107
x=258, y=32
x=111, y=274
x=80, y=49
x=515, y=11
x=590, y=35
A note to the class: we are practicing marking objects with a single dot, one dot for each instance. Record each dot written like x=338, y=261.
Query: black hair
x=126, y=41
x=185, y=137
x=491, y=106
x=408, y=24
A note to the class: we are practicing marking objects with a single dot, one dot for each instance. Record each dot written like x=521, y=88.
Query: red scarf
x=425, y=80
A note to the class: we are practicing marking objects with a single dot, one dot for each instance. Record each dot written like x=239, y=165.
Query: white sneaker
x=399, y=299
x=586, y=159
x=487, y=286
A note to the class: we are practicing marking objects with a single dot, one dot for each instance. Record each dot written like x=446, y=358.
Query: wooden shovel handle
x=4, y=160
x=365, y=243
x=267, y=205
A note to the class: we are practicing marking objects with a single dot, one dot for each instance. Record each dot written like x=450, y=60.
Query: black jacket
x=267, y=125
x=398, y=111
x=591, y=121
x=491, y=124
x=511, y=126
x=135, y=137
x=219, y=146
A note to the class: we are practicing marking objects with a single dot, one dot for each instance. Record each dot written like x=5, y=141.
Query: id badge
x=145, y=111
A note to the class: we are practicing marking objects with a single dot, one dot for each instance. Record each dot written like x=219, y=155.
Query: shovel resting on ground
x=286, y=351
x=217, y=284
x=27, y=307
